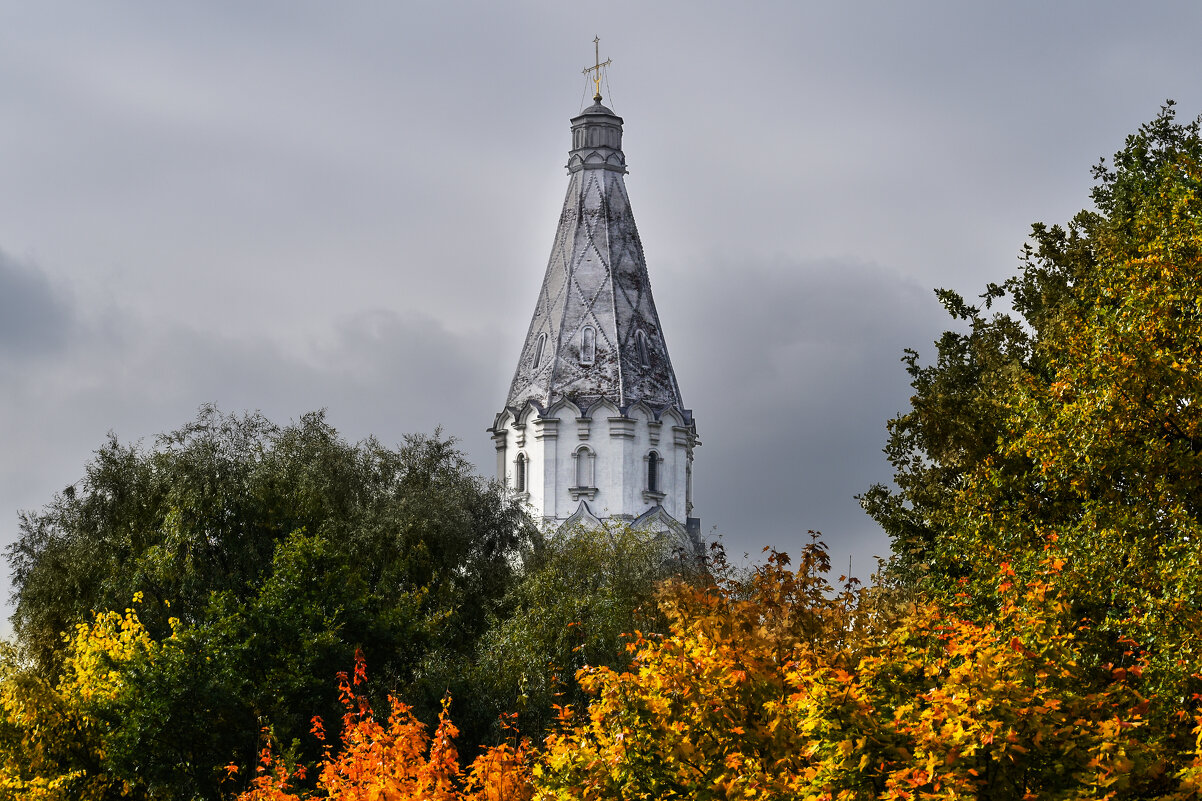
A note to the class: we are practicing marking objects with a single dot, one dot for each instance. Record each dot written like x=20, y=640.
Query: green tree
x=581, y=596
x=278, y=550
x=1071, y=425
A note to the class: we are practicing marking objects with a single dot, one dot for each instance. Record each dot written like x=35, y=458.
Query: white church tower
x=594, y=426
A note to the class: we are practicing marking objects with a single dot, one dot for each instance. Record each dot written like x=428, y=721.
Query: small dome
x=597, y=110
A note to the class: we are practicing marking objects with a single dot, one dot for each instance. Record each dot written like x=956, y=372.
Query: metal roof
x=596, y=278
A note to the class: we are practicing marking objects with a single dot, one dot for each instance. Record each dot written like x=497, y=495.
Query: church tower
x=594, y=426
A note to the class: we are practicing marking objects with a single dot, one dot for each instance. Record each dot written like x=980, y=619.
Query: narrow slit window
x=519, y=473
x=588, y=345
x=584, y=467
x=644, y=353
x=653, y=472
x=538, y=350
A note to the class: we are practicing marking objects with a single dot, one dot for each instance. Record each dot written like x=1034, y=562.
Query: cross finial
x=596, y=68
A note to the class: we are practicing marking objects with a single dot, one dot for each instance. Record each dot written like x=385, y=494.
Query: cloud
x=35, y=317
x=243, y=189
x=381, y=373
x=793, y=370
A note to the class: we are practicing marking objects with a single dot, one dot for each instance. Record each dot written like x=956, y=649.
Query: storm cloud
x=35, y=318
x=798, y=373
x=292, y=206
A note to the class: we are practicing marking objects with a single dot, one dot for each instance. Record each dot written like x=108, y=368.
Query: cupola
x=596, y=140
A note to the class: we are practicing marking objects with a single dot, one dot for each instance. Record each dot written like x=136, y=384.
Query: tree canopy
x=1070, y=424
x=581, y=593
x=1036, y=634
x=779, y=685
x=264, y=555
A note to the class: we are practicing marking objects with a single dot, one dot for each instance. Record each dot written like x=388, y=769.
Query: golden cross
x=596, y=68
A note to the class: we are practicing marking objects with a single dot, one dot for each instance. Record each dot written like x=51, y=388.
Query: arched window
x=584, y=466
x=588, y=345
x=653, y=461
x=538, y=350
x=519, y=473
x=640, y=340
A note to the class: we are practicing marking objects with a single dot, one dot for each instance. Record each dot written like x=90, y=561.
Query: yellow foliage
x=51, y=738
x=780, y=691
x=98, y=651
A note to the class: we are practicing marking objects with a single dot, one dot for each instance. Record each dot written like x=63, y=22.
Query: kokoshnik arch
x=594, y=426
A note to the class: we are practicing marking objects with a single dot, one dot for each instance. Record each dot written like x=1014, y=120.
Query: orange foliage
x=399, y=761
x=779, y=689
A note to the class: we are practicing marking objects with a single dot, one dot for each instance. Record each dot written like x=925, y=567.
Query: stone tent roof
x=596, y=279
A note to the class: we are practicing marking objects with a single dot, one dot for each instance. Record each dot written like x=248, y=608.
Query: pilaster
x=546, y=434
x=501, y=442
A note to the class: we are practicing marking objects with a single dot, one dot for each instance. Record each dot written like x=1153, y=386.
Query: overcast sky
x=286, y=206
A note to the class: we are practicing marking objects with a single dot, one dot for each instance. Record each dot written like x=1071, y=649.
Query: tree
x=397, y=760
x=579, y=596
x=278, y=551
x=1073, y=423
x=54, y=738
x=784, y=687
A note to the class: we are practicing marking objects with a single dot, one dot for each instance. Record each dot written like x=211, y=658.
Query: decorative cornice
x=533, y=411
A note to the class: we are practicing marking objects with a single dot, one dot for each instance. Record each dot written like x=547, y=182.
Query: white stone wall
x=620, y=445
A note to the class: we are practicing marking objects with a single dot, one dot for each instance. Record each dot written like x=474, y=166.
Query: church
x=594, y=427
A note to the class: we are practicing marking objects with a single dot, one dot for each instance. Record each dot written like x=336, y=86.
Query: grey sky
x=292, y=205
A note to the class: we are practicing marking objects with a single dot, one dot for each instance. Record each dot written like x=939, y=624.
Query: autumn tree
x=785, y=687
x=54, y=735
x=579, y=594
x=397, y=759
x=277, y=550
x=1072, y=422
